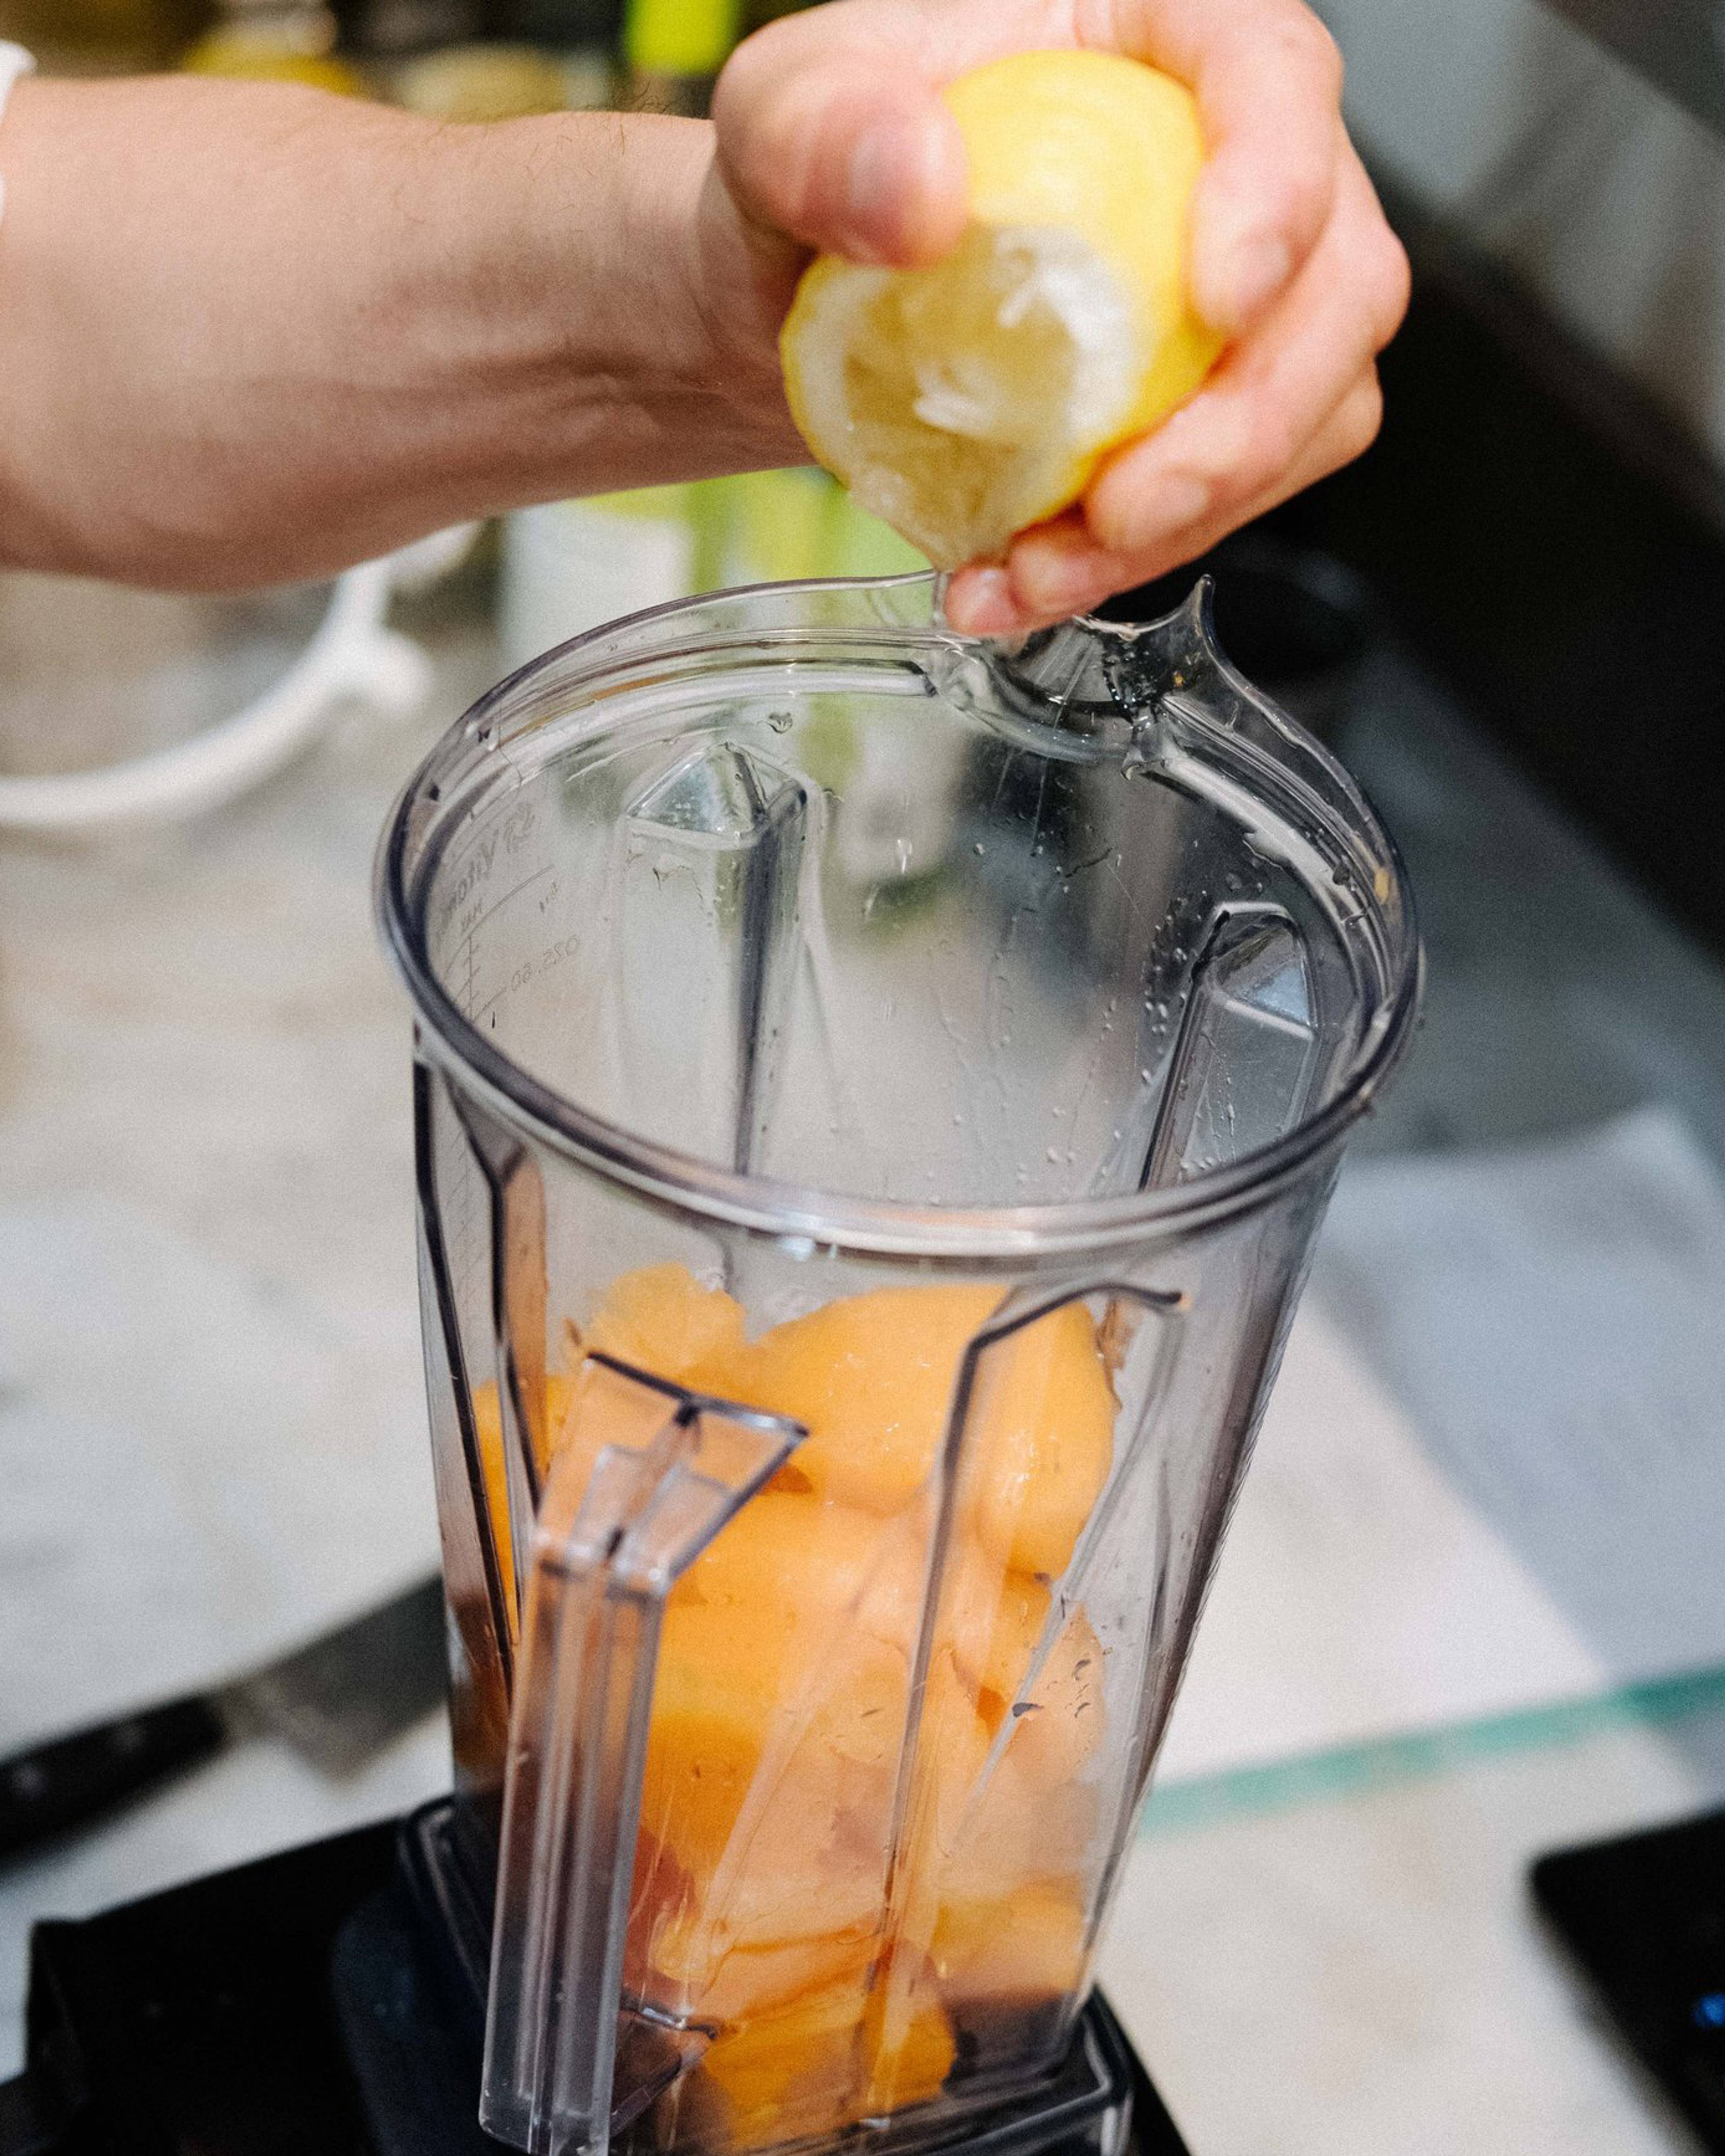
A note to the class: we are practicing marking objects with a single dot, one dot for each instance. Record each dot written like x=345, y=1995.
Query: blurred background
x=1470, y=1609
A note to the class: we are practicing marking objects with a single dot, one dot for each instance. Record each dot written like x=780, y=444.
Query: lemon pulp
x=964, y=401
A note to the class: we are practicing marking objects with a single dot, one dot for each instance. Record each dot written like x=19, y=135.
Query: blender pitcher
x=875, y=1095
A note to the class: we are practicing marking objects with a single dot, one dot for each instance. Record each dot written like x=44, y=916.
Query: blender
x=875, y=1095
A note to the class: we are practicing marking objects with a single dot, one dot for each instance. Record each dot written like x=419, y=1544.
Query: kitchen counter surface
x=196, y=1035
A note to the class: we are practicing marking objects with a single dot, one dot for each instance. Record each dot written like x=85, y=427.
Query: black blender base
x=287, y=2008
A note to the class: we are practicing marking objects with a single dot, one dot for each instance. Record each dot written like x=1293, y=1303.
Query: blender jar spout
x=1104, y=687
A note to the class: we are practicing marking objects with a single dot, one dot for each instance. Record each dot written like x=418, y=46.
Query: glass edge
x=788, y=1212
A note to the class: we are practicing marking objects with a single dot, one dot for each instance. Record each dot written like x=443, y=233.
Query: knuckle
x=1273, y=445
x=1308, y=42
x=1396, y=287
x=1391, y=287
x=1327, y=57
x=1361, y=417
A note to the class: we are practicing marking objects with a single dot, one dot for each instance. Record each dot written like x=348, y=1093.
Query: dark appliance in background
x=1540, y=537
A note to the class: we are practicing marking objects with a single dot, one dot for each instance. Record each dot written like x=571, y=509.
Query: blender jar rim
x=797, y=1213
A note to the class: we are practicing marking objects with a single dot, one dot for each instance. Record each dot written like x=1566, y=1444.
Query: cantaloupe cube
x=824, y=2060
x=1027, y=1945
x=991, y=1620
x=661, y=1319
x=812, y=1565
x=700, y=1972
x=1062, y=1717
x=1042, y=1425
x=788, y=2074
x=908, y=2048
x=871, y=1376
x=778, y=1723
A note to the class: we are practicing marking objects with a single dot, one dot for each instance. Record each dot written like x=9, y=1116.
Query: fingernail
x=889, y=162
x=984, y=605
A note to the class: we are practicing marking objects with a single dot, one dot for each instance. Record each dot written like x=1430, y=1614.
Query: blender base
x=295, y=2007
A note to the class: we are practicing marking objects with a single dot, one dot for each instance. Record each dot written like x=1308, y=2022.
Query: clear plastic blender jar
x=875, y=1094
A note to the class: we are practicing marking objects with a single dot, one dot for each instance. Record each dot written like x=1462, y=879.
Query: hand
x=830, y=136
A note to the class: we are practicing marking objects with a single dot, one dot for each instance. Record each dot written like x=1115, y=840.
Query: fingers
x=1267, y=77
x=1271, y=392
x=1293, y=400
x=830, y=129
x=1059, y=569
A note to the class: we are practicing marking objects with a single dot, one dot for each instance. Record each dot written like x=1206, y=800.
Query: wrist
x=645, y=318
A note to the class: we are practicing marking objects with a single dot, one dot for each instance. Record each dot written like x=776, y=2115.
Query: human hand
x=831, y=136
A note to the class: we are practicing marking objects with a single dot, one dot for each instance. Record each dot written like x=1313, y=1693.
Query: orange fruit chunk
x=824, y=2061
x=811, y=1565
x=790, y=2073
x=661, y=1319
x=778, y=1718
x=701, y=1972
x=1044, y=1421
x=488, y=1431
x=1028, y=1944
x=1058, y=1723
x=909, y=2049
x=770, y=1737
x=871, y=1376
x=992, y=1620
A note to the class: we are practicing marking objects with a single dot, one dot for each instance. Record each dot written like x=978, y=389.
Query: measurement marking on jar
x=469, y=933
x=530, y=970
x=514, y=890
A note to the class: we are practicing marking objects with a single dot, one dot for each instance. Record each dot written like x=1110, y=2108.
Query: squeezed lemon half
x=962, y=402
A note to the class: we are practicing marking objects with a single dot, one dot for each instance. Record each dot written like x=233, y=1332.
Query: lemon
x=963, y=400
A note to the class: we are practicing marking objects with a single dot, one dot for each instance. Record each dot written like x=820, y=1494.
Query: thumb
x=849, y=152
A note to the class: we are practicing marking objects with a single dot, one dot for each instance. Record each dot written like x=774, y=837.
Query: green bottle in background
x=673, y=51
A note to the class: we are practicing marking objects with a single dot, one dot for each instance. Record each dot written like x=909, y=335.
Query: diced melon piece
x=908, y=2048
x=871, y=1376
x=778, y=1723
x=991, y=1620
x=1021, y=1830
x=1059, y=1722
x=789, y=2074
x=824, y=2060
x=1042, y=1425
x=661, y=1319
x=699, y=1971
x=488, y=1429
x=812, y=1565
x=1028, y=1945
x=952, y=1746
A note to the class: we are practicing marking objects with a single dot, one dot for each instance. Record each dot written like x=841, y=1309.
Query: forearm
x=252, y=333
